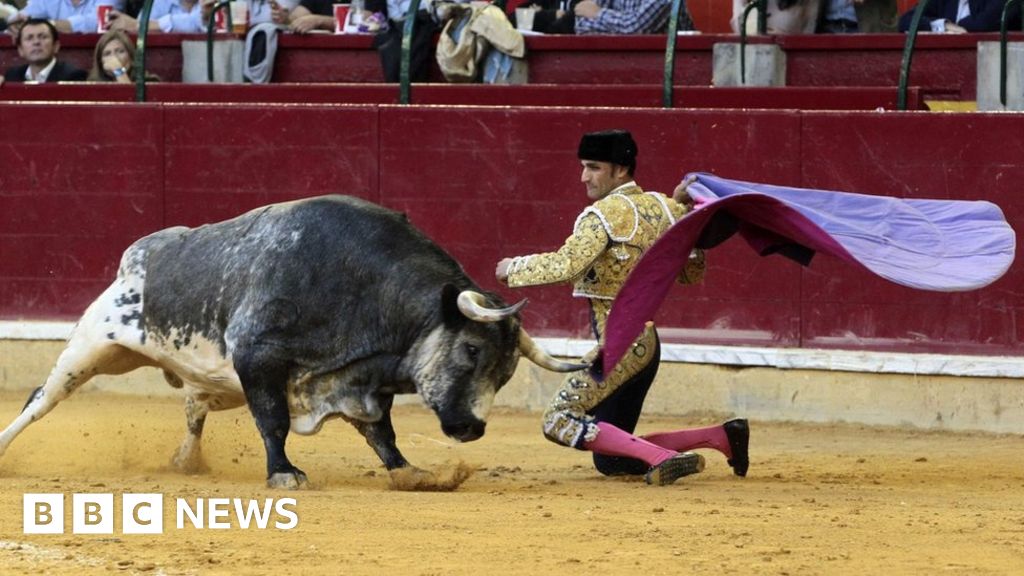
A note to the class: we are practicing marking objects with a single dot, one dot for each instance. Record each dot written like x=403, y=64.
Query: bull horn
x=538, y=356
x=473, y=306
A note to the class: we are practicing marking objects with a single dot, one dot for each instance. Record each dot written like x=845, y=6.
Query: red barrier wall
x=80, y=182
x=944, y=65
x=637, y=96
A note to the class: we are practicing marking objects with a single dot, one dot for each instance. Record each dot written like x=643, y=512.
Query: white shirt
x=962, y=11
x=43, y=74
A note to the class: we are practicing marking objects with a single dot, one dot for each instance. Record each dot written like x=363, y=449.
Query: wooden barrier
x=81, y=182
x=944, y=65
x=638, y=96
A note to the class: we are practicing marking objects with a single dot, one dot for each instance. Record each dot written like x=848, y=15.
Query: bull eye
x=472, y=351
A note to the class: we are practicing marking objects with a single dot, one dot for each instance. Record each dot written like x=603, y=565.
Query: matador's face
x=600, y=178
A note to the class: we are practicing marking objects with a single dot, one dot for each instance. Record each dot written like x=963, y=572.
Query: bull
x=304, y=311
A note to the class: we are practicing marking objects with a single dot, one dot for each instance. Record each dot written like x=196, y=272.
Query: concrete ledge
x=957, y=393
x=744, y=356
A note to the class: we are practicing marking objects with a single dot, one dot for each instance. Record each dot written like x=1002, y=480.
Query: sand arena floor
x=818, y=500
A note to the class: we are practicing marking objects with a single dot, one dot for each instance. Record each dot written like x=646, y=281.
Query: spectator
x=784, y=16
x=113, y=59
x=269, y=11
x=606, y=16
x=309, y=15
x=77, y=16
x=177, y=16
x=38, y=43
x=837, y=17
x=873, y=16
x=962, y=16
x=265, y=19
x=388, y=41
x=627, y=16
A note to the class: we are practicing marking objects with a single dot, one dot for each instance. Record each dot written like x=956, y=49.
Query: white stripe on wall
x=782, y=358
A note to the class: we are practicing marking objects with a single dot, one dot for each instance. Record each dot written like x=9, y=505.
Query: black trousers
x=389, y=46
x=622, y=409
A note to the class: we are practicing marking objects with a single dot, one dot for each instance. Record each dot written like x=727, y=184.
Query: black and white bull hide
x=306, y=310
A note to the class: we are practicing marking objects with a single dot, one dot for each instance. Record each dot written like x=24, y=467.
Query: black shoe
x=738, y=433
x=682, y=464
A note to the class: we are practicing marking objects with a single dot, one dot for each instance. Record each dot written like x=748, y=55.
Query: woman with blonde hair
x=113, y=59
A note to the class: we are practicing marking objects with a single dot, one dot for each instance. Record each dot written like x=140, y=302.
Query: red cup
x=220, y=21
x=103, y=18
x=340, y=16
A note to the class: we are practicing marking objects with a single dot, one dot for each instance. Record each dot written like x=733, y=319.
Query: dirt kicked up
x=818, y=500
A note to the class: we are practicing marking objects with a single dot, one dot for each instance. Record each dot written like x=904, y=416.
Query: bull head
x=460, y=365
x=472, y=305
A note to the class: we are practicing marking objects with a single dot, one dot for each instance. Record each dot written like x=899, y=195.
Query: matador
x=600, y=412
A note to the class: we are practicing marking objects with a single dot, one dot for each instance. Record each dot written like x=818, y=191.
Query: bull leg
x=264, y=380
x=380, y=435
x=84, y=357
x=188, y=459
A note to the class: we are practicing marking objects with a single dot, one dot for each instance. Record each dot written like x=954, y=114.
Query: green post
x=670, y=54
x=908, y=54
x=139, y=68
x=209, y=35
x=762, y=28
x=407, y=31
x=1002, y=53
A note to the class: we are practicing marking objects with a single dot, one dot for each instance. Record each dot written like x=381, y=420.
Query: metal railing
x=908, y=55
x=139, y=66
x=404, y=81
x=1002, y=51
x=762, y=29
x=223, y=4
x=670, y=54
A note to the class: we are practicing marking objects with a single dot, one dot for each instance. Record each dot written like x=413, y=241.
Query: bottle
x=357, y=12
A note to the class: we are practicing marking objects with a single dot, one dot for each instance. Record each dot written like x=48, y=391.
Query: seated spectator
x=114, y=58
x=177, y=16
x=263, y=11
x=627, y=16
x=873, y=16
x=38, y=43
x=78, y=16
x=962, y=16
x=606, y=16
x=388, y=41
x=266, y=19
x=309, y=15
x=837, y=17
x=784, y=16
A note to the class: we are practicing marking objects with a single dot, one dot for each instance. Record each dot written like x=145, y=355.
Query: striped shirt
x=632, y=17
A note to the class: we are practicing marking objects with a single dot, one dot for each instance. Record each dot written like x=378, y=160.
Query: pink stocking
x=613, y=441
x=685, y=440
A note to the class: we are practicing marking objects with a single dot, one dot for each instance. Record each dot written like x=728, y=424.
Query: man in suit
x=962, y=16
x=38, y=43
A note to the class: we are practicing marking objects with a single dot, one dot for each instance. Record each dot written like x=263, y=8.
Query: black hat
x=615, y=146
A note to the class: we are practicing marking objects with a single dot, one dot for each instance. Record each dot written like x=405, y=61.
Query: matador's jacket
x=607, y=241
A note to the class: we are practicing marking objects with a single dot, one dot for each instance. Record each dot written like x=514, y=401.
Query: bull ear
x=452, y=317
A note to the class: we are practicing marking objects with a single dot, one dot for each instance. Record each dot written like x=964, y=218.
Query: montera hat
x=615, y=146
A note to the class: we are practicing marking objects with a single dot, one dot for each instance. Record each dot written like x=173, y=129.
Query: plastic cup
x=239, y=17
x=103, y=18
x=340, y=16
x=524, y=18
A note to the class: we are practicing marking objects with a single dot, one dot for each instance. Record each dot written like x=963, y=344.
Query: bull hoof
x=189, y=462
x=288, y=480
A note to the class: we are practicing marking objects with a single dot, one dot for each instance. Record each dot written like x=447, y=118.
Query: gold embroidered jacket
x=607, y=240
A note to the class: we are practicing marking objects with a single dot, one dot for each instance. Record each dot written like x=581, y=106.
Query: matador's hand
x=501, y=271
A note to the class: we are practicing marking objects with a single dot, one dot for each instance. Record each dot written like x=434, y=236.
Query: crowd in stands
x=35, y=25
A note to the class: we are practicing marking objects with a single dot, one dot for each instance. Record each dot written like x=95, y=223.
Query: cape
x=940, y=245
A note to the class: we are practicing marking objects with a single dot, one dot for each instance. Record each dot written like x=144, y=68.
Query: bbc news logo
x=144, y=513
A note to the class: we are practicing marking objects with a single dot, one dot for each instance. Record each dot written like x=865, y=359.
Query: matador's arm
x=588, y=240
